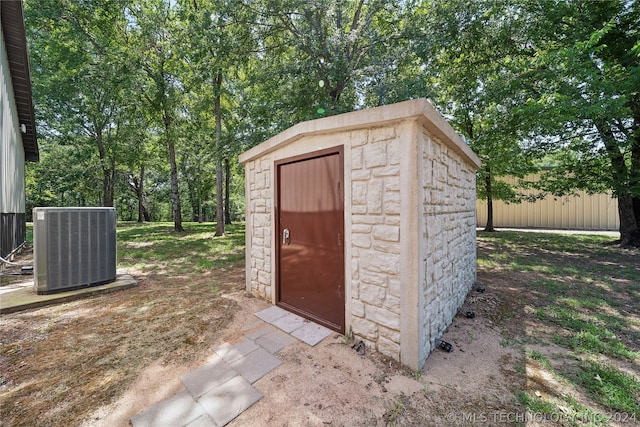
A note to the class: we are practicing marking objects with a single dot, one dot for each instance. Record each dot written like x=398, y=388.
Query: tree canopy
x=145, y=104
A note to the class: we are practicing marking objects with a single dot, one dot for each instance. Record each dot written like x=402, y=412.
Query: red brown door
x=310, y=248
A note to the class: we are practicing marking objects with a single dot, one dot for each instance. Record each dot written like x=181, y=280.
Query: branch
x=356, y=16
x=75, y=21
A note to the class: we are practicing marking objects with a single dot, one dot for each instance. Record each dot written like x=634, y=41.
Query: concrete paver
x=220, y=390
x=177, y=410
x=203, y=421
x=232, y=352
x=274, y=341
x=289, y=322
x=306, y=331
x=208, y=376
x=311, y=333
x=260, y=331
x=256, y=364
x=272, y=313
x=229, y=400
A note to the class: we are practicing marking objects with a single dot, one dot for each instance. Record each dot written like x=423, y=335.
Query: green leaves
x=472, y=53
x=585, y=74
x=523, y=81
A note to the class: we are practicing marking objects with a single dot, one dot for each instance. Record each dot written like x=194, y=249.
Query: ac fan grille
x=79, y=248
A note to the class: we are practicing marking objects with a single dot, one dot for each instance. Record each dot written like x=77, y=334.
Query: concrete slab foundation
x=22, y=296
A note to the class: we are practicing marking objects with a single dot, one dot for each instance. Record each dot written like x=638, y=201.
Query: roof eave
x=12, y=19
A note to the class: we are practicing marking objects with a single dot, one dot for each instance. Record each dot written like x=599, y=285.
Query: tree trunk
x=629, y=233
x=487, y=180
x=635, y=159
x=145, y=211
x=108, y=174
x=175, y=193
x=219, y=177
x=140, y=194
x=193, y=200
x=112, y=182
x=107, y=188
x=620, y=174
x=635, y=201
x=227, y=192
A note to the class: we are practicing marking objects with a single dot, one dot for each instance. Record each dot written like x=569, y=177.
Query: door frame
x=339, y=150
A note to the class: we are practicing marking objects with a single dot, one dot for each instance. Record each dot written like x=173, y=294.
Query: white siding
x=12, y=196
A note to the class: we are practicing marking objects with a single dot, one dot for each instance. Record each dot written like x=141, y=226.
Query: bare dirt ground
x=60, y=363
x=330, y=384
x=99, y=361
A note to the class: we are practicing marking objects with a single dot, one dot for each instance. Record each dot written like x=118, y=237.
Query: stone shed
x=365, y=223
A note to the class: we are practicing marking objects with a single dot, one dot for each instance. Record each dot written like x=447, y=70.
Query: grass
x=535, y=405
x=589, y=331
x=573, y=413
x=539, y=358
x=610, y=387
x=156, y=247
x=583, y=292
x=395, y=411
x=29, y=237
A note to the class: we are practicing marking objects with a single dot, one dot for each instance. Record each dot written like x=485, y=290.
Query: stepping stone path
x=220, y=390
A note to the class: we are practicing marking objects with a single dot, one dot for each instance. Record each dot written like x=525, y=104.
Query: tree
x=472, y=54
x=322, y=52
x=218, y=43
x=151, y=23
x=61, y=179
x=583, y=82
x=80, y=78
x=198, y=167
x=138, y=158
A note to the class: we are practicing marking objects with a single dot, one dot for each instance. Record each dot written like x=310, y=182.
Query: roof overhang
x=12, y=19
x=419, y=110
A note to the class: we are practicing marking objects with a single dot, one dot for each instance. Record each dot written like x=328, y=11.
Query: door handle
x=285, y=237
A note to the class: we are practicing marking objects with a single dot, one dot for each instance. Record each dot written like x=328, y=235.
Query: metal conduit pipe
x=13, y=252
x=8, y=262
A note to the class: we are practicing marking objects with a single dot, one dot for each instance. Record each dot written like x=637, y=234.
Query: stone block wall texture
x=449, y=236
x=446, y=247
x=260, y=220
x=375, y=238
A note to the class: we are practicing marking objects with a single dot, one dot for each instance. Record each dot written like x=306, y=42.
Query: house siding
x=12, y=196
x=12, y=231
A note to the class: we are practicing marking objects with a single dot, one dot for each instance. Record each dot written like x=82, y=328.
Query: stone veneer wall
x=448, y=227
x=435, y=259
x=260, y=225
x=374, y=264
x=375, y=238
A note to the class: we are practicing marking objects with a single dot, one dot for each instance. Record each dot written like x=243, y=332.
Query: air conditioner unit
x=73, y=248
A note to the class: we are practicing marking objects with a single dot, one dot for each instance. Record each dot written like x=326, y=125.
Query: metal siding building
x=17, y=128
x=581, y=211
